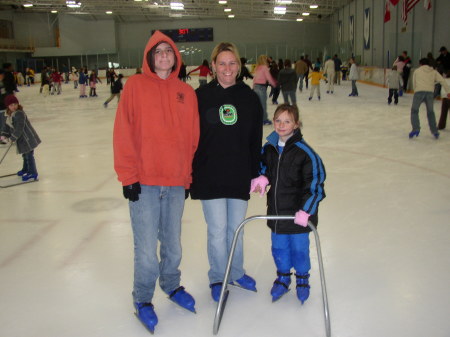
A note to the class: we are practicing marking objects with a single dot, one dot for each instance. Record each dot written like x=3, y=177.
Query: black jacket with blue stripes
x=296, y=177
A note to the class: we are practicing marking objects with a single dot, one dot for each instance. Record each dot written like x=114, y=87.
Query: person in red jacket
x=205, y=70
x=156, y=133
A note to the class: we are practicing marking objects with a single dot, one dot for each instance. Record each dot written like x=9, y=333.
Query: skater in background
x=75, y=77
x=56, y=79
x=82, y=81
x=18, y=129
x=296, y=176
x=424, y=79
x=204, y=72
x=443, y=68
x=29, y=76
x=226, y=160
x=301, y=68
x=2, y=102
x=182, y=75
x=337, y=69
x=93, y=79
x=261, y=77
x=45, y=82
x=406, y=69
x=310, y=68
x=115, y=90
x=9, y=81
x=315, y=77
x=244, y=73
x=328, y=70
x=274, y=69
x=156, y=134
x=353, y=76
x=395, y=83
x=287, y=80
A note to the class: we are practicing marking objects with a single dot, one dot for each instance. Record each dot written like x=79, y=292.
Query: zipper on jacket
x=276, y=186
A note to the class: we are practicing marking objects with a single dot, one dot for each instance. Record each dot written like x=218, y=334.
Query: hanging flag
x=387, y=11
x=427, y=4
x=408, y=5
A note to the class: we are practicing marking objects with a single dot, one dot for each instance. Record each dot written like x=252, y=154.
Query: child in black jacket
x=116, y=88
x=296, y=175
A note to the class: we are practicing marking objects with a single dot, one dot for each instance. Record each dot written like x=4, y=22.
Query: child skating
x=296, y=177
x=315, y=77
x=395, y=83
x=18, y=129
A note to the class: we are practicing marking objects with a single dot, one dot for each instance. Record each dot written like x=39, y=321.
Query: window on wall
x=6, y=29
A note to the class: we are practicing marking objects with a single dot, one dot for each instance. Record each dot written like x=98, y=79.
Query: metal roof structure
x=152, y=10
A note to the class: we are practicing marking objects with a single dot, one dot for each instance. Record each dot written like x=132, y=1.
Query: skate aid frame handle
x=6, y=152
x=224, y=291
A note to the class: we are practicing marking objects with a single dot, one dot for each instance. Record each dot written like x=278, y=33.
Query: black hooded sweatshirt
x=229, y=151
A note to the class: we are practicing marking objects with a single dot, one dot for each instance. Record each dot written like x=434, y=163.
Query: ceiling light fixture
x=300, y=19
x=313, y=6
x=284, y=2
x=73, y=4
x=227, y=10
x=177, y=6
x=305, y=14
x=222, y=2
x=54, y=12
x=28, y=5
x=108, y=12
x=231, y=16
x=279, y=10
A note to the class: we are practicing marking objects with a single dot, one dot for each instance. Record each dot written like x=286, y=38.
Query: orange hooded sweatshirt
x=156, y=129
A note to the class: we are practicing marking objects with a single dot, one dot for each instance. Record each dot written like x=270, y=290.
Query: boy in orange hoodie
x=156, y=133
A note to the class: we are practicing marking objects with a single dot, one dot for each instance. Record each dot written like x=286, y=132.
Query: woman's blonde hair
x=226, y=46
x=262, y=60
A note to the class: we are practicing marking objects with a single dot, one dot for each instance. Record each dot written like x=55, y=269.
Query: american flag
x=408, y=5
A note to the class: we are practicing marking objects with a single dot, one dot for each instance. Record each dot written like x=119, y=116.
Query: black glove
x=132, y=192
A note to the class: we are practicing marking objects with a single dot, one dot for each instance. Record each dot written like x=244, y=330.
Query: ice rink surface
x=66, y=250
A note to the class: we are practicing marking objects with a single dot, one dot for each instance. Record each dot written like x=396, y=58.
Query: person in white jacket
x=328, y=69
x=424, y=79
x=353, y=76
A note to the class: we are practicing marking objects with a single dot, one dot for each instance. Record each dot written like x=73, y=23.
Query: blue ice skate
x=146, y=314
x=436, y=135
x=302, y=287
x=246, y=282
x=183, y=299
x=280, y=286
x=413, y=134
x=216, y=288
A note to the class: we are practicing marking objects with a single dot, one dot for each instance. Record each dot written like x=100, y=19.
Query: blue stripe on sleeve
x=316, y=188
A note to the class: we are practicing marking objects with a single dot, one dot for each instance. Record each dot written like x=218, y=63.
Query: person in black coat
x=296, y=175
x=9, y=81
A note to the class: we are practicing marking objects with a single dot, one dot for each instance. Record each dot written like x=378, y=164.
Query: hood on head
x=155, y=39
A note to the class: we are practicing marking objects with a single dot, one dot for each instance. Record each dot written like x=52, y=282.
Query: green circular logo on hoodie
x=228, y=114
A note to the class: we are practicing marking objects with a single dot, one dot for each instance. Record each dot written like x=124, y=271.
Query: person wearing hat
x=18, y=129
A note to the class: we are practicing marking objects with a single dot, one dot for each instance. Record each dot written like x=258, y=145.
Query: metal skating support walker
x=224, y=292
x=12, y=174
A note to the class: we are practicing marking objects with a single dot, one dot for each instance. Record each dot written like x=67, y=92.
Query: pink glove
x=301, y=218
x=259, y=185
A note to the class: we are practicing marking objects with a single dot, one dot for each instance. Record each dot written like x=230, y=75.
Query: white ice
x=66, y=250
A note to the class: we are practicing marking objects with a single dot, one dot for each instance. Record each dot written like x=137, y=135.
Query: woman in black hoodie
x=226, y=161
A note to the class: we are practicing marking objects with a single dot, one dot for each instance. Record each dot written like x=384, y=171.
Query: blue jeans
x=354, y=88
x=261, y=91
x=29, y=164
x=291, y=94
x=418, y=98
x=301, y=77
x=291, y=251
x=156, y=216
x=223, y=216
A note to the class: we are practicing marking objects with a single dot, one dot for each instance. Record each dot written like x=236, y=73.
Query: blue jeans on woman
x=418, y=98
x=29, y=164
x=156, y=216
x=261, y=91
x=223, y=216
x=354, y=88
